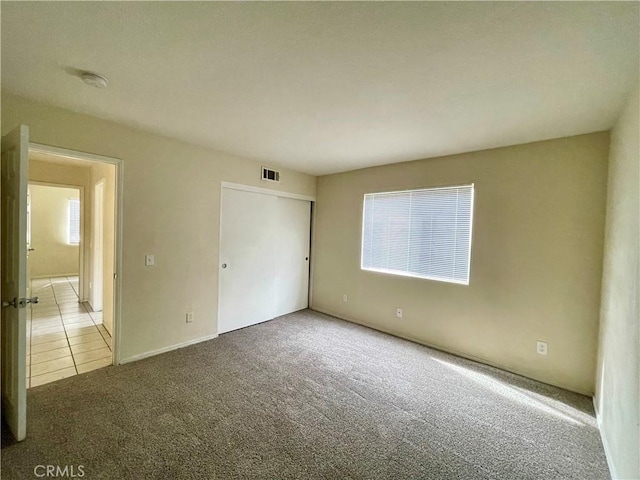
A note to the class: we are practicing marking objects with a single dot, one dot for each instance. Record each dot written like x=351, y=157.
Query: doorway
x=70, y=330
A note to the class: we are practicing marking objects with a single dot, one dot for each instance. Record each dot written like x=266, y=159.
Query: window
x=74, y=221
x=419, y=233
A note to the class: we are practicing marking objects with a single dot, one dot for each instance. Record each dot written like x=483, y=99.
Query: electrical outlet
x=541, y=348
x=149, y=260
x=344, y=298
x=399, y=312
x=189, y=317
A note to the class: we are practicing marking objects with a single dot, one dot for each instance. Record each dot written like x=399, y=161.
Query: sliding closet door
x=247, y=261
x=264, y=257
x=292, y=279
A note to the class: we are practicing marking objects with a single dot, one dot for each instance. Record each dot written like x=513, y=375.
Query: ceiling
x=329, y=87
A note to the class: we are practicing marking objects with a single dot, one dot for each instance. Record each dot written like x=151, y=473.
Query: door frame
x=119, y=204
x=266, y=191
x=97, y=239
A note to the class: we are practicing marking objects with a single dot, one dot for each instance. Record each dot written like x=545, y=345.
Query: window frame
x=403, y=273
x=69, y=232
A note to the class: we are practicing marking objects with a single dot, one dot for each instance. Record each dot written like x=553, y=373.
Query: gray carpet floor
x=307, y=396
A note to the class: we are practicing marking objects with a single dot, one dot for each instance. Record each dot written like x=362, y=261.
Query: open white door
x=13, y=338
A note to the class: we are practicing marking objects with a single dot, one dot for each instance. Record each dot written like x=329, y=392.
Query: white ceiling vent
x=270, y=175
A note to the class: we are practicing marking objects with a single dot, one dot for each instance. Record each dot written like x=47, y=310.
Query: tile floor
x=64, y=337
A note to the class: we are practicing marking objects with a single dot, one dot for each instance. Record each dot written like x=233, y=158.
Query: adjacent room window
x=74, y=221
x=419, y=233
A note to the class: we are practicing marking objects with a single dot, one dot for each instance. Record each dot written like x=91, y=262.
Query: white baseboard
x=54, y=276
x=458, y=353
x=158, y=351
x=605, y=445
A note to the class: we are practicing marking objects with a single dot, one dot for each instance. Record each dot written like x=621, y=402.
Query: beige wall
x=53, y=255
x=618, y=377
x=171, y=209
x=105, y=172
x=535, y=267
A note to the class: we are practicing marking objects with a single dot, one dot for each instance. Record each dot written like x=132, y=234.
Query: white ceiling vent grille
x=270, y=175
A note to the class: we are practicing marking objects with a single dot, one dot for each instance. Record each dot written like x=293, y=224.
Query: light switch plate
x=149, y=260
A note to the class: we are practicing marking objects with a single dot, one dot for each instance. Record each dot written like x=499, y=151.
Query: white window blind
x=419, y=233
x=74, y=221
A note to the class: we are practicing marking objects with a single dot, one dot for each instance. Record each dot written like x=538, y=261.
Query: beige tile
x=87, y=347
x=46, y=320
x=107, y=338
x=46, y=323
x=94, y=365
x=47, y=330
x=44, y=338
x=51, y=366
x=71, y=310
x=45, y=347
x=45, y=315
x=37, y=358
x=44, y=303
x=68, y=304
x=65, y=292
x=76, y=319
x=76, y=332
x=83, y=324
x=43, y=306
x=75, y=313
x=104, y=332
x=91, y=337
x=67, y=299
x=52, y=376
x=71, y=321
x=49, y=308
x=37, y=326
x=85, y=357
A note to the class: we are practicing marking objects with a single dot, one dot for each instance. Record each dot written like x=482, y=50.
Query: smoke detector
x=94, y=80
